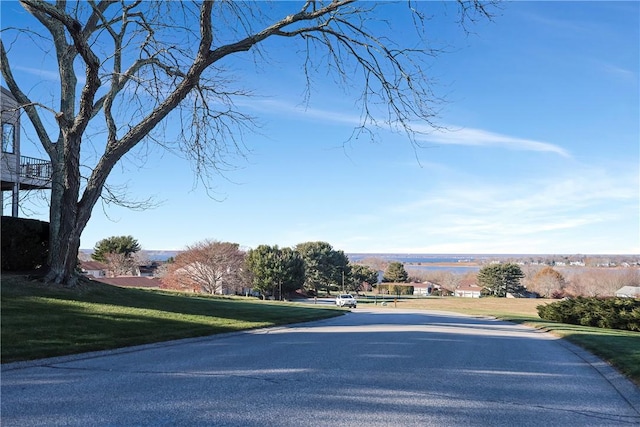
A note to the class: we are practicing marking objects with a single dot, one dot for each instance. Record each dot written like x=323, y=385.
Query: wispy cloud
x=619, y=73
x=449, y=135
x=536, y=205
x=483, y=138
x=283, y=108
x=562, y=25
x=564, y=213
x=39, y=72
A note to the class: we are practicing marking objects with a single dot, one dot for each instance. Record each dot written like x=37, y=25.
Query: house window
x=8, y=137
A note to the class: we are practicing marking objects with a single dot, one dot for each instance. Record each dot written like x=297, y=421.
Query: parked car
x=347, y=300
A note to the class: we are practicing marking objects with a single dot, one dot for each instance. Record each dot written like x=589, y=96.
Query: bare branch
x=25, y=102
x=147, y=62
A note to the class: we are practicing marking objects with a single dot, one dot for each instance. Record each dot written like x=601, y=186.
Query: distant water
x=423, y=263
x=415, y=259
x=457, y=269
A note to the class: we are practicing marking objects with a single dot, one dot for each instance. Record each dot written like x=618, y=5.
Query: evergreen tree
x=395, y=273
x=275, y=271
x=360, y=274
x=324, y=266
x=501, y=279
x=118, y=245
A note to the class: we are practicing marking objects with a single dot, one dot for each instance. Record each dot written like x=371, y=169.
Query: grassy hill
x=40, y=321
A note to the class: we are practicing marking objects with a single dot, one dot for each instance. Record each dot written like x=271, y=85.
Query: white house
x=424, y=289
x=94, y=269
x=628, y=292
x=470, y=291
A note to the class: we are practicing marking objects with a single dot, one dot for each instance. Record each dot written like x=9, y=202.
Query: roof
x=6, y=94
x=471, y=288
x=629, y=291
x=92, y=265
x=131, y=281
x=423, y=285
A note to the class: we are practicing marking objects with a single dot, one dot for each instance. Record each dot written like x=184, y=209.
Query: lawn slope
x=40, y=321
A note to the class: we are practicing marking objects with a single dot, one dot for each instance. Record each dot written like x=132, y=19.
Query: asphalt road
x=368, y=368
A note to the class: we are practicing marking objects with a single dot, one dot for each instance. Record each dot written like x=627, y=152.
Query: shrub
x=610, y=313
x=25, y=243
x=558, y=294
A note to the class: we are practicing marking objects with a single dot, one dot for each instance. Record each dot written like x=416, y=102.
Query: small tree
x=119, y=264
x=548, y=282
x=275, y=270
x=501, y=279
x=117, y=252
x=377, y=264
x=122, y=245
x=396, y=273
x=323, y=265
x=291, y=273
x=209, y=266
x=359, y=276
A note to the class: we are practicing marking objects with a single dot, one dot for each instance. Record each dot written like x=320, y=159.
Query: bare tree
x=446, y=279
x=146, y=62
x=119, y=264
x=547, y=282
x=375, y=263
x=601, y=282
x=209, y=266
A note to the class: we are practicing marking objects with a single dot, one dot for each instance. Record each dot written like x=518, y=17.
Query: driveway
x=367, y=368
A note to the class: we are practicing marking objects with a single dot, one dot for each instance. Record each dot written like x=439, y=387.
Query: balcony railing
x=35, y=168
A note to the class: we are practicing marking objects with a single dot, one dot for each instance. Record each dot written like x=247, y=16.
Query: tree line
x=215, y=267
x=544, y=281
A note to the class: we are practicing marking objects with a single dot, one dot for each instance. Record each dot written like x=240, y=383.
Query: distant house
x=469, y=291
x=424, y=289
x=147, y=270
x=628, y=292
x=94, y=269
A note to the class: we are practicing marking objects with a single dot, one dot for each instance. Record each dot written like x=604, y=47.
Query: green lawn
x=39, y=321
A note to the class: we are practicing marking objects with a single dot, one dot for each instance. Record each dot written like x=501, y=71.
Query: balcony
x=33, y=174
x=37, y=169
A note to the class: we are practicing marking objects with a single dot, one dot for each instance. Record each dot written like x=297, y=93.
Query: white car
x=348, y=300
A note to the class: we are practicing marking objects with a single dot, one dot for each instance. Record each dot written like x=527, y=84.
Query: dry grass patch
x=506, y=308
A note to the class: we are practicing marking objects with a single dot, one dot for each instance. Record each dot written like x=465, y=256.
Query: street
x=371, y=367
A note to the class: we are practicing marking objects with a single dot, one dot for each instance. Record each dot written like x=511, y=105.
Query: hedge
x=24, y=243
x=610, y=313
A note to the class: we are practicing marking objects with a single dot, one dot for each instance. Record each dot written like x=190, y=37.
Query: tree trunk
x=63, y=258
x=64, y=240
x=67, y=217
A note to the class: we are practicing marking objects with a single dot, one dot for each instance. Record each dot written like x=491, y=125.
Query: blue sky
x=540, y=152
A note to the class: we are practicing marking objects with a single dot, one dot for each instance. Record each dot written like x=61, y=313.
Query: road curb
x=625, y=387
